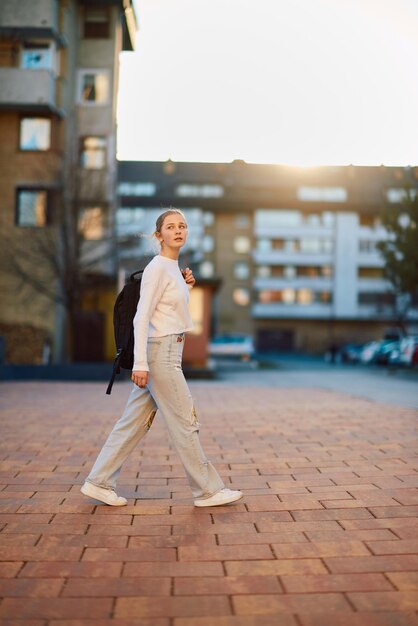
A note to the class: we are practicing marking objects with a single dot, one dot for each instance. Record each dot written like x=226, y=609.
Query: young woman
x=160, y=324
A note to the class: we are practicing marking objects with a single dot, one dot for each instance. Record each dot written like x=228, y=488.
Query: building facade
x=295, y=248
x=58, y=84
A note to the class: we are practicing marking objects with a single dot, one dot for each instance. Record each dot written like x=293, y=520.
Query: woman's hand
x=140, y=378
x=188, y=277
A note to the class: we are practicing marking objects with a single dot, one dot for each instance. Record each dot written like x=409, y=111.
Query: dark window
x=32, y=207
x=93, y=153
x=96, y=23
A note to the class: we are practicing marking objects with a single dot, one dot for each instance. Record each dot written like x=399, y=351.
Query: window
x=35, y=133
x=289, y=271
x=93, y=86
x=263, y=271
x=137, y=189
x=208, y=218
x=36, y=56
x=202, y=191
x=91, y=223
x=376, y=299
x=93, y=153
x=206, y=269
x=316, y=246
x=31, y=207
x=370, y=272
x=277, y=217
x=242, y=245
x=322, y=194
x=242, y=220
x=207, y=243
x=264, y=245
x=241, y=270
x=302, y=296
x=241, y=296
x=96, y=22
x=367, y=246
x=305, y=296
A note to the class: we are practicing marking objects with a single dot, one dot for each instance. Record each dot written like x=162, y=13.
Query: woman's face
x=173, y=231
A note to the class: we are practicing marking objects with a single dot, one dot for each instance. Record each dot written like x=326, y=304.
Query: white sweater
x=162, y=307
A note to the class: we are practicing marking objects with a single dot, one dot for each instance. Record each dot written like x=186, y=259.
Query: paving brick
x=173, y=606
x=230, y=585
x=33, y=553
x=295, y=603
x=253, y=538
x=385, y=600
x=160, y=621
x=50, y=608
x=238, y=620
x=119, y=587
x=174, y=569
x=335, y=582
x=407, y=546
x=84, y=541
x=22, y=588
x=404, y=581
x=173, y=541
x=129, y=554
x=223, y=553
x=10, y=569
x=391, y=563
x=275, y=568
x=365, y=618
x=71, y=569
x=319, y=549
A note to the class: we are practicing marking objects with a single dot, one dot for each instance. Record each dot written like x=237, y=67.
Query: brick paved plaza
x=326, y=535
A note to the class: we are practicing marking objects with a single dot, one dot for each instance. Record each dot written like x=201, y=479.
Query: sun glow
x=302, y=82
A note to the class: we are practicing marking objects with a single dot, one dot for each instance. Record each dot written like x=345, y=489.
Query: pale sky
x=301, y=82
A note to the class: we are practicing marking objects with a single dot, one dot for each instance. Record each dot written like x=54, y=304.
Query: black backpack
x=123, y=317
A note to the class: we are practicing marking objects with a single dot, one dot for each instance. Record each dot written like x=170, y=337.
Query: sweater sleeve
x=152, y=288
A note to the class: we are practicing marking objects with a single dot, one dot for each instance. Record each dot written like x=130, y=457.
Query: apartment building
x=295, y=248
x=58, y=83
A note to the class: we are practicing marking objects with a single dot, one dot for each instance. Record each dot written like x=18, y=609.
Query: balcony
x=26, y=89
x=298, y=282
x=27, y=18
x=293, y=311
x=284, y=257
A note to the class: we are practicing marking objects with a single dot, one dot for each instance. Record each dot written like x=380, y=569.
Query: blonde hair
x=160, y=219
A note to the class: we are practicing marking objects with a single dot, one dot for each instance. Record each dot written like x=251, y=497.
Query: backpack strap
x=116, y=370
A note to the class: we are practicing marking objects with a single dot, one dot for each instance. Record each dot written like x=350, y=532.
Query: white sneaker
x=108, y=496
x=224, y=496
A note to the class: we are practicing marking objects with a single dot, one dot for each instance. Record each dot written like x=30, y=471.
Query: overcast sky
x=303, y=82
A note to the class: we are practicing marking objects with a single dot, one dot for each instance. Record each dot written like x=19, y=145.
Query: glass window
x=242, y=220
x=208, y=218
x=96, y=22
x=326, y=271
x=322, y=194
x=305, y=296
x=137, y=189
x=328, y=218
x=93, y=153
x=31, y=208
x=206, y=269
x=242, y=245
x=367, y=246
x=241, y=296
x=35, y=133
x=207, y=243
x=288, y=296
x=241, y=270
x=263, y=271
x=264, y=245
x=36, y=56
x=370, y=272
x=129, y=216
x=93, y=86
x=91, y=223
x=289, y=271
x=290, y=245
x=271, y=218
x=313, y=219
x=203, y=191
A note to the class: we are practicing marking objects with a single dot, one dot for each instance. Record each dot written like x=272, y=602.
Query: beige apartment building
x=294, y=248
x=59, y=66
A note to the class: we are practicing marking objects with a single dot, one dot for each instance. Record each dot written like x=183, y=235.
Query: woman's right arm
x=152, y=288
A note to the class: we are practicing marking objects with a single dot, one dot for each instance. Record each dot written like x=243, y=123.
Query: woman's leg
x=127, y=432
x=172, y=396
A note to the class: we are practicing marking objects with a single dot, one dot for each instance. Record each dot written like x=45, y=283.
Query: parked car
x=232, y=345
x=404, y=354
x=385, y=350
x=368, y=352
x=351, y=352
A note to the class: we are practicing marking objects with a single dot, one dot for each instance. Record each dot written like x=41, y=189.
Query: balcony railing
x=27, y=89
x=301, y=311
